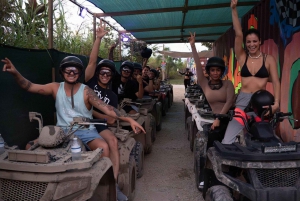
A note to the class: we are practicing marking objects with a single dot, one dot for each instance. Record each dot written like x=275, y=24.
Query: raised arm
x=90, y=70
x=47, y=89
x=200, y=76
x=140, y=93
x=238, y=44
x=109, y=110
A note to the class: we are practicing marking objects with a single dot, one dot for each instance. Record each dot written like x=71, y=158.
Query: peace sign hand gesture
x=100, y=31
x=191, y=39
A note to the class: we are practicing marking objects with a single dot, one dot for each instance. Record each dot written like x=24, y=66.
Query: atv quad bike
x=46, y=171
x=258, y=167
x=161, y=96
x=169, y=90
x=128, y=167
x=144, y=118
x=154, y=108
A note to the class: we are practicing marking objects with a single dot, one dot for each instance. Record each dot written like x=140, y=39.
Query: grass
x=176, y=81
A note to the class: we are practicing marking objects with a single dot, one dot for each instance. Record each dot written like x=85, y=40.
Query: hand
x=100, y=31
x=274, y=107
x=233, y=4
x=8, y=66
x=215, y=124
x=191, y=39
x=139, y=78
x=136, y=127
x=150, y=75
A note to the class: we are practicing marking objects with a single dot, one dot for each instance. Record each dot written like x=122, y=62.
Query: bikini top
x=261, y=73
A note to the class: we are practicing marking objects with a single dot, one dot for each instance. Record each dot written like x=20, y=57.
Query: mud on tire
x=132, y=178
x=218, y=193
x=187, y=130
x=138, y=153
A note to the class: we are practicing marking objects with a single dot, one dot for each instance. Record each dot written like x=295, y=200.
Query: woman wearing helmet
x=98, y=78
x=256, y=70
x=219, y=93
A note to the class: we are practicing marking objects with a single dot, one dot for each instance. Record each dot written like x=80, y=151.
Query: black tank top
x=261, y=73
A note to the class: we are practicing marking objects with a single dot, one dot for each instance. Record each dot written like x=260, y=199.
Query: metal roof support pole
x=50, y=24
x=94, y=27
x=120, y=47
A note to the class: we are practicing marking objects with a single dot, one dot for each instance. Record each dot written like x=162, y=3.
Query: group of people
x=104, y=88
x=98, y=97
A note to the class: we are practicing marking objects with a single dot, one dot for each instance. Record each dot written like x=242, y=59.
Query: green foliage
x=208, y=45
x=25, y=24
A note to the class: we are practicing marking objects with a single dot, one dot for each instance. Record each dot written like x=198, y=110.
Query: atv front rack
x=240, y=153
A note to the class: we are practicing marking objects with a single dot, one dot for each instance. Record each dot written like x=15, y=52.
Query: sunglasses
x=105, y=72
x=70, y=70
x=126, y=70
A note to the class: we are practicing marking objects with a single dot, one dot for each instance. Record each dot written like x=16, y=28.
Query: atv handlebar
x=87, y=121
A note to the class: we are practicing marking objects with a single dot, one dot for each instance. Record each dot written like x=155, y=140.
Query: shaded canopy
x=173, y=54
x=170, y=21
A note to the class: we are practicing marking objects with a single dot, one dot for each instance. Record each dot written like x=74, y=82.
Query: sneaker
x=201, y=184
x=120, y=194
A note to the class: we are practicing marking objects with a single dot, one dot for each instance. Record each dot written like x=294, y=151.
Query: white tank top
x=64, y=110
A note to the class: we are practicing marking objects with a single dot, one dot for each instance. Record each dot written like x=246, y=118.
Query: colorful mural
x=279, y=24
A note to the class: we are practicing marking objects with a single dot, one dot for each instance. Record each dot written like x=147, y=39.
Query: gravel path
x=168, y=170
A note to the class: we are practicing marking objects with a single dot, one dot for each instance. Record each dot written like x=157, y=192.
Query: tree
x=209, y=45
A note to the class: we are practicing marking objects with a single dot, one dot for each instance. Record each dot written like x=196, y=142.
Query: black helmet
x=137, y=66
x=127, y=64
x=259, y=99
x=71, y=61
x=215, y=62
x=156, y=73
x=106, y=63
x=146, y=53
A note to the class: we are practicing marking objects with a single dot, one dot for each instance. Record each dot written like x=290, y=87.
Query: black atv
x=259, y=167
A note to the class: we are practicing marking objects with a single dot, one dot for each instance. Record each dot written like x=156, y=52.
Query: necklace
x=255, y=57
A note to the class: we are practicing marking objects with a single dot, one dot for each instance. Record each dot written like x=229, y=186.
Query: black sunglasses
x=107, y=72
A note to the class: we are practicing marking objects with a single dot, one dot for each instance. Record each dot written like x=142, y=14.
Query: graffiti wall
x=279, y=24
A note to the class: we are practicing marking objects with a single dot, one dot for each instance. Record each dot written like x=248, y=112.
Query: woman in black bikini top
x=261, y=73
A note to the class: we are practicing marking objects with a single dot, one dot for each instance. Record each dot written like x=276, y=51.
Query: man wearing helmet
x=124, y=87
x=72, y=99
x=98, y=77
x=187, y=77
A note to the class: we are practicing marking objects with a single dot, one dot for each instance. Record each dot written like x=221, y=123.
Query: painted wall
x=279, y=24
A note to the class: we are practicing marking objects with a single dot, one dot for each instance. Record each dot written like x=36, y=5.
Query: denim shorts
x=87, y=135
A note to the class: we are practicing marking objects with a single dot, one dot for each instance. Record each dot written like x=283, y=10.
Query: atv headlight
x=279, y=149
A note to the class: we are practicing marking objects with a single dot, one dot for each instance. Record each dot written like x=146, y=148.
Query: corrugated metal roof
x=169, y=21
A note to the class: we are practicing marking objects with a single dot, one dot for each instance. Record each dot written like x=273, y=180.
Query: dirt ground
x=168, y=170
